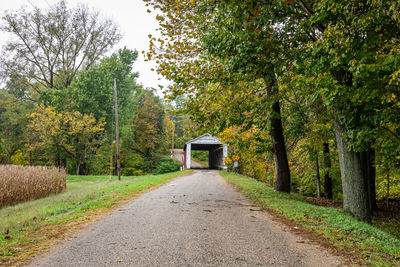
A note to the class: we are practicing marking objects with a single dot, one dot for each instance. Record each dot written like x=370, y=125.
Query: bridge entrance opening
x=217, y=151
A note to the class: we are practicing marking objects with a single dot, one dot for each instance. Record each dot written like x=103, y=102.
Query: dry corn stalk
x=22, y=183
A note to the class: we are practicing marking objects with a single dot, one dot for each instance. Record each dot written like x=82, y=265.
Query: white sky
x=131, y=16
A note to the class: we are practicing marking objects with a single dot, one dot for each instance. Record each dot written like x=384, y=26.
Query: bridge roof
x=206, y=140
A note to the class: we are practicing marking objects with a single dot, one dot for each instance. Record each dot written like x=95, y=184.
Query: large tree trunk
x=282, y=171
x=355, y=182
x=368, y=158
x=318, y=176
x=372, y=177
x=327, y=166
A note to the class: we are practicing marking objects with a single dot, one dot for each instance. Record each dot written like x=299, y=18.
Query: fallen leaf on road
x=120, y=261
x=300, y=241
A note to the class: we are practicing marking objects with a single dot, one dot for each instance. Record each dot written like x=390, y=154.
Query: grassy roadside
x=31, y=227
x=369, y=244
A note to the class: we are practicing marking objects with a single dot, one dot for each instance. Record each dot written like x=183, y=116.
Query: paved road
x=195, y=220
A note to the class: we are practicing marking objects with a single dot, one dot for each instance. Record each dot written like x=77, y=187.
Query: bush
x=99, y=164
x=201, y=155
x=22, y=183
x=131, y=172
x=167, y=164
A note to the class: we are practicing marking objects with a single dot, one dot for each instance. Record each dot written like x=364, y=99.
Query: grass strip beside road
x=31, y=227
x=362, y=241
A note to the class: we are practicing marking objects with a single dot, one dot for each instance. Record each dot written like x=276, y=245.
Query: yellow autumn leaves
x=73, y=132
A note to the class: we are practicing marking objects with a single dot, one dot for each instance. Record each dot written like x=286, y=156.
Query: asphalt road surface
x=195, y=220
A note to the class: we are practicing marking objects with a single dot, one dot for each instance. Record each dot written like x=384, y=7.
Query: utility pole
x=116, y=129
x=173, y=137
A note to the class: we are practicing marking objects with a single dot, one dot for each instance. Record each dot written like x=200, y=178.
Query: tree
x=49, y=47
x=91, y=92
x=203, y=42
x=12, y=125
x=349, y=66
x=148, y=126
x=74, y=133
x=347, y=51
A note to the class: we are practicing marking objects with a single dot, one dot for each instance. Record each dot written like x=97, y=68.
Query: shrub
x=22, y=183
x=131, y=172
x=167, y=164
x=201, y=155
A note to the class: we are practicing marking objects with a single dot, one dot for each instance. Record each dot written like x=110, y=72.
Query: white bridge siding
x=217, y=151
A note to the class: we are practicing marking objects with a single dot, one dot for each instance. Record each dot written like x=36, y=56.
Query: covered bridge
x=217, y=151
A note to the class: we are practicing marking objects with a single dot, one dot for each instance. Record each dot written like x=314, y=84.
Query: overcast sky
x=131, y=16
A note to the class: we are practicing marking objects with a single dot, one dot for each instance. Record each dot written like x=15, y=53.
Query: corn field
x=22, y=183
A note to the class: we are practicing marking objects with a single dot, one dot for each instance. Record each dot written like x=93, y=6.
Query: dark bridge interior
x=215, y=155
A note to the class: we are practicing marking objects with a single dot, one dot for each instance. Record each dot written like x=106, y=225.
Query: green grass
x=84, y=194
x=200, y=156
x=370, y=244
x=389, y=224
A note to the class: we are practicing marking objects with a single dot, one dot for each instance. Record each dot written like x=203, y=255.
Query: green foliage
x=131, y=172
x=132, y=159
x=200, y=155
x=100, y=163
x=74, y=73
x=148, y=125
x=322, y=61
x=13, y=121
x=167, y=164
x=72, y=132
x=91, y=92
x=19, y=158
x=382, y=184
